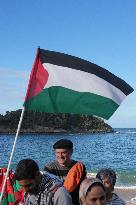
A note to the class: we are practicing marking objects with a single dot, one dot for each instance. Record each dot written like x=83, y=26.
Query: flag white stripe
x=80, y=81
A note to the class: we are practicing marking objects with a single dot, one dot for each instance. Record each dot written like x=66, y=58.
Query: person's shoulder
x=74, y=177
x=62, y=196
x=74, y=161
x=52, y=177
x=81, y=163
x=50, y=165
x=62, y=189
x=116, y=200
x=78, y=164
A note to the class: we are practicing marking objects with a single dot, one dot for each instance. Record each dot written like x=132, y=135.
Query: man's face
x=29, y=185
x=63, y=156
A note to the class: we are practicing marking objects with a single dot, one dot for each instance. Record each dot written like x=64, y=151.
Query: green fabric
x=16, y=186
x=11, y=198
x=63, y=100
x=4, y=201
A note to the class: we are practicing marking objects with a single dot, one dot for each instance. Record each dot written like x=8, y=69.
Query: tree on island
x=38, y=122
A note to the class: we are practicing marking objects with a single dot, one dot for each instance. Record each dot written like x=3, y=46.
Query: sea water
x=116, y=150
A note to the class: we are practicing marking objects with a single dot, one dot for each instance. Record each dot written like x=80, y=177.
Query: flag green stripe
x=63, y=100
x=4, y=201
x=11, y=198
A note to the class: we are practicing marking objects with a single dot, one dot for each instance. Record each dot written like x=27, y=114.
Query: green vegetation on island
x=42, y=123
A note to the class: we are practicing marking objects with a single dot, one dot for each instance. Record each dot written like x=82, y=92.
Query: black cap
x=63, y=144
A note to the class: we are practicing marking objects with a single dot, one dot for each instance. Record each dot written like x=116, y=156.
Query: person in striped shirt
x=108, y=178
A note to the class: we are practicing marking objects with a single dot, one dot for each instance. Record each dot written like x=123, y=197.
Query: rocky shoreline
x=48, y=123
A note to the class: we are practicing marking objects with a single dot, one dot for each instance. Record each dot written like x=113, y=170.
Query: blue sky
x=101, y=31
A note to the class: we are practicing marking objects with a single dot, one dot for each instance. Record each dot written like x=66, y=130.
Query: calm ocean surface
x=116, y=150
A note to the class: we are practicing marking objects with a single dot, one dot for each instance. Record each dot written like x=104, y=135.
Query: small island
x=48, y=123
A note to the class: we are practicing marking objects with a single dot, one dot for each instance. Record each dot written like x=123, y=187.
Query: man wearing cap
x=63, y=163
x=70, y=171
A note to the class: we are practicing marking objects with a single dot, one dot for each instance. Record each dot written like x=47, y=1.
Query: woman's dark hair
x=26, y=169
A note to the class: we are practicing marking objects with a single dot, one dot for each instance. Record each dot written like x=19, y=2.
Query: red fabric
x=19, y=196
x=38, y=78
x=8, y=188
x=16, y=195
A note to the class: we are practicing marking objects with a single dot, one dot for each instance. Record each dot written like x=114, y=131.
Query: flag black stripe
x=69, y=61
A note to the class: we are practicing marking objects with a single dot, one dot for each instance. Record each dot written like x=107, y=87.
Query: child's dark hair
x=109, y=173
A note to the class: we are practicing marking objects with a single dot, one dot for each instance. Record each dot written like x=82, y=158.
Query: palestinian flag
x=61, y=83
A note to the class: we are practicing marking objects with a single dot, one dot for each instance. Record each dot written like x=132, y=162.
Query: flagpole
x=12, y=152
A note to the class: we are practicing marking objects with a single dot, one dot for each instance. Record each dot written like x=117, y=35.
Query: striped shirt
x=116, y=200
x=58, y=170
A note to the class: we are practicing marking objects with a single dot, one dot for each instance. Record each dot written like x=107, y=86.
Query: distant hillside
x=37, y=122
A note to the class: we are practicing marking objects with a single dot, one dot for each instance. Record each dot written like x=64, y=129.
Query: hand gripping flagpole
x=12, y=152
